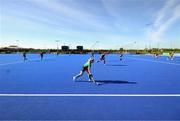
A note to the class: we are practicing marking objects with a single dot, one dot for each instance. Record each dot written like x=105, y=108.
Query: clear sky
x=113, y=23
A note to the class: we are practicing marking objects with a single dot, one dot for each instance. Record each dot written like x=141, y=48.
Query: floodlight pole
x=158, y=45
x=171, y=44
x=17, y=43
x=92, y=47
x=57, y=42
x=94, y=44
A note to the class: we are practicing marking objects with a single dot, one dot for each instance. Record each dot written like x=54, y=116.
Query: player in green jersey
x=86, y=67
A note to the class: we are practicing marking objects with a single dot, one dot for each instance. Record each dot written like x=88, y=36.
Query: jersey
x=86, y=66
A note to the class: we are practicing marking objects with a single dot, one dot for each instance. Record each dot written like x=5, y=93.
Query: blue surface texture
x=135, y=74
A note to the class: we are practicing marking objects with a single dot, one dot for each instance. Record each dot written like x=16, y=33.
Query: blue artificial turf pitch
x=135, y=74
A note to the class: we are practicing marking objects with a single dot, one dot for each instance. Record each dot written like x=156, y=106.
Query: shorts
x=102, y=58
x=84, y=69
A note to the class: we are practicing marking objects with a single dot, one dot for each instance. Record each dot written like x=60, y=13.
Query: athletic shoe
x=74, y=78
x=97, y=83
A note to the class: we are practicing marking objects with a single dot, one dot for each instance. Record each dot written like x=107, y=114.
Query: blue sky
x=113, y=23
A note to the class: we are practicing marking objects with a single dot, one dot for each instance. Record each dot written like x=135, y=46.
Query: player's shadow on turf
x=123, y=60
x=115, y=82
x=113, y=60
x=111, y=81
x=115, y=65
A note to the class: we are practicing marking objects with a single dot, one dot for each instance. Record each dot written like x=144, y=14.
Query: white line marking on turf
x=89, y=95
x=154, y=61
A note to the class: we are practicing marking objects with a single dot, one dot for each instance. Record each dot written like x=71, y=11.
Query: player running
x=171, y=56
x=92, y=54
x=102, y=58
x=156, y=55
x=86, y=67
x=121, y=56
x=24, y=56
x=42, y=55
x=57, y=53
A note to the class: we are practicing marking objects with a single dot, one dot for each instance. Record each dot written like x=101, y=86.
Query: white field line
x=89, y=95
x=22, y=61
x=154, y=61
